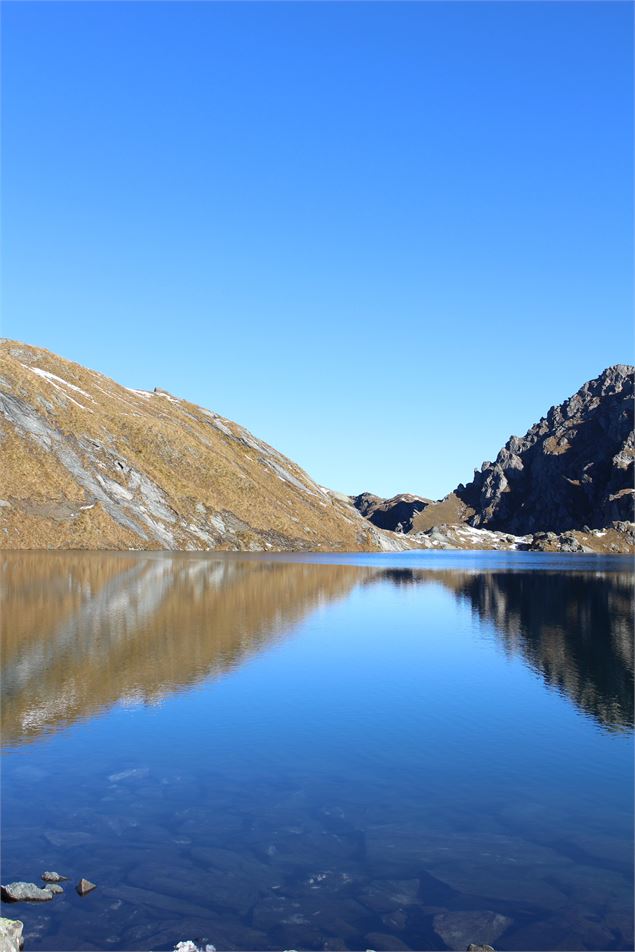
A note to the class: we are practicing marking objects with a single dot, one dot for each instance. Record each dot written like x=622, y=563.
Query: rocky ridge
x=572, y=469
x=566, y=486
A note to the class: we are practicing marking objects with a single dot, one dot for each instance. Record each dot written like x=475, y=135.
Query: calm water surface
x=384, y=752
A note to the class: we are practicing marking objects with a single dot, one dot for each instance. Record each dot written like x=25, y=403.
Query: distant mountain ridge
x=572, y=470
x=395, y=514
x=90, y=464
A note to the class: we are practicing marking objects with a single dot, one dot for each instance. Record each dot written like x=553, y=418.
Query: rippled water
x=383, y=752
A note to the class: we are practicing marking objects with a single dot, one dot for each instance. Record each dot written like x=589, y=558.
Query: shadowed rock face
x=572, y=469
x=394, y=514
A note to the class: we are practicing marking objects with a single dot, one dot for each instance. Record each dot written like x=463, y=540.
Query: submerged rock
x=386, y=943
x=67, y=838
x=396, y=921
x=53, y=877
x=55, y=888
x=85, y=886
x=456, y=928
x=11, y=935
x=25, y=892
x=387, y=895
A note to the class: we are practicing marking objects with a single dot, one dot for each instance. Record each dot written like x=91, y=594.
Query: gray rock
x=457, y=928
x=11, y=935
x=55, y=888
x=49, y=877
x=568, y=543
x=479, y=948
x=85, y=886
x=25, y=892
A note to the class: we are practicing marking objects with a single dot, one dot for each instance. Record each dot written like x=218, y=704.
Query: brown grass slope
x=90, y=464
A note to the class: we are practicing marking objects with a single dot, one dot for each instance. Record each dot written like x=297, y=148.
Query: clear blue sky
x=384, y=237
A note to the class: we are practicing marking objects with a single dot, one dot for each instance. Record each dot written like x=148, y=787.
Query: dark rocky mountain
x=395, y=514
x=572, y=469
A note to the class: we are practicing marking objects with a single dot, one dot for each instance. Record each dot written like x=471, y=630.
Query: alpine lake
x=411, y=751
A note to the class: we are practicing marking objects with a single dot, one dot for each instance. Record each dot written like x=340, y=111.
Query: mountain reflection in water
x=83, y=631
x=574, y=628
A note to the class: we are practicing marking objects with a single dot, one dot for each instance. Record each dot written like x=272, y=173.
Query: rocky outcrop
x=573, y=469
x=90, y=464
x=616, y=539
x=52, y=877
x=11, y=935
x=455, y=928
x=84, y=886
x=24, y=892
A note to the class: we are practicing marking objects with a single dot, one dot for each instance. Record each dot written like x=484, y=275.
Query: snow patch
x=138, y=393
x=166, y=396
x=55, y=381
x=53, y=377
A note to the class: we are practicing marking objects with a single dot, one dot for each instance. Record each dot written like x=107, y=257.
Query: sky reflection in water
x=341, y=752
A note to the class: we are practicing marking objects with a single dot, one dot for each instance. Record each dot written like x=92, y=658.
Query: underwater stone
x=85, y=886
x=53, y=877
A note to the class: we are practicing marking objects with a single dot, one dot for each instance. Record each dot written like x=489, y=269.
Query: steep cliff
x=572, y=469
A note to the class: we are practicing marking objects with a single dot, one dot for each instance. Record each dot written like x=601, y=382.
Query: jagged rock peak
x=572, y=468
